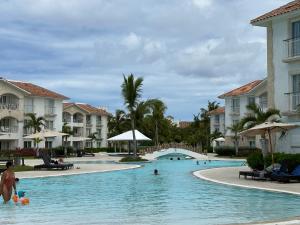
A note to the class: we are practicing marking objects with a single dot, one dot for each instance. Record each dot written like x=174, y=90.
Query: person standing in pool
x=8, y=182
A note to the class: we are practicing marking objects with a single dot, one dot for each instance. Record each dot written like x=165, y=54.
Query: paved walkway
x=79, y=168
x=230, y=176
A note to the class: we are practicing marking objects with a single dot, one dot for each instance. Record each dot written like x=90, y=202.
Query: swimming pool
x=136, y=197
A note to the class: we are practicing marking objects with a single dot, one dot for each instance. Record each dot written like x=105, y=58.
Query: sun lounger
x=51, y=164
x=286, y=177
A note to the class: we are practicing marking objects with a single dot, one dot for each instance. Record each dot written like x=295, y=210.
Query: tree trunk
x=156, y=133
x=236, y=143
x=134, y=139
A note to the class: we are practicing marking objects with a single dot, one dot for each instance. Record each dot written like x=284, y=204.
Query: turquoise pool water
x=136, y=197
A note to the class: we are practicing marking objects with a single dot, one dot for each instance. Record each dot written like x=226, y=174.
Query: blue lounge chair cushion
x=296, y=171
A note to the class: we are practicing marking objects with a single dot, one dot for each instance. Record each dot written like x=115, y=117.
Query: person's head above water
x=155, y=172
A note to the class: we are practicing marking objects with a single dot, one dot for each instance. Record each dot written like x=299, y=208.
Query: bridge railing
x=152, y=149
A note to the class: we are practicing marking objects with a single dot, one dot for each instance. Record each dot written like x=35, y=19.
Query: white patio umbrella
x=128, y=136
x=268, y=128
x=45, y=134
x=220, y=139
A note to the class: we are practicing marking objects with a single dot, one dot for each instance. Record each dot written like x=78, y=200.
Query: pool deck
x=230, y=176
x=79, y=168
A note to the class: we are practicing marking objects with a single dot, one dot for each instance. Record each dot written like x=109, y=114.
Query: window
x=27, y=144
x=49, y=124
x=88, y=120
x=251, y=100
x=48, y=144
x=98, y=120
x=98, y=144
x=98, y=133
x=263, y=101
x=217, y=119
x=49, y=106
x=28, y=105
x=296, y=91
x=235, y=105
x=252, y=144
x=296, y=38
x=235, y=122
x=88, y=131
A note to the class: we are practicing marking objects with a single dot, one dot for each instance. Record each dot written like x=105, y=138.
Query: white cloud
x=202, y=3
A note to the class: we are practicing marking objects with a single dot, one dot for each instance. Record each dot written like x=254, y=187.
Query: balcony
x=9, y=106
x=292, y=50
x=88, y=123
x=293, y=104
x=49, y=110
x=9, y=130
x=77, y=135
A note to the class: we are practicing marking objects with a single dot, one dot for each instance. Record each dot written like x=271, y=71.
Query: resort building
x=236, y=102
x=217, y=120
x=88, y=123
x=283, y=65
x=19, y=98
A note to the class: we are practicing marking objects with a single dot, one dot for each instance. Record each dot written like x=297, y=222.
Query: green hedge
x=133, y=159
x=60, y=150
x=256, y=161
x=96, y=150
x=292, y=160
x=230, y=150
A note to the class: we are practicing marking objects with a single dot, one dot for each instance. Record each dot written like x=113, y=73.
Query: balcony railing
x=77, y=120
x=293, y=101
x=9, y=106
x=49, y=110
x=10, y=129
x=292, y=47
x=77, y=135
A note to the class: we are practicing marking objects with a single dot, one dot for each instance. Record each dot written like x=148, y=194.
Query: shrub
x=292, y=160
x=256, y=161
x=96, y=150
x=60, y=150
x=230, y=150
x=133, y=159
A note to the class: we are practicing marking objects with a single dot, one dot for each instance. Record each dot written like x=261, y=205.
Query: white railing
x=292, y=47
x=10, y=129
x=9, y=106
x=295, y=101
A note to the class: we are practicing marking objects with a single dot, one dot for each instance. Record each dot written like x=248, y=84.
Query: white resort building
x=235, y=109
x=283, y=65
x=86, y=121
x=217, y=120
x=17, y=99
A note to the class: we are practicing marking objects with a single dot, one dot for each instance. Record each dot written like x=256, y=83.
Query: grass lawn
x=20, y=168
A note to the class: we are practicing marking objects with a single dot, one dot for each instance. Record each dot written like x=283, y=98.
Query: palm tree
x=131, y=91
x=258, y=116
x=36, y=123
x=158, y=109
x=206, y=120
x=116, y=124
x=236, y=128
x=142, y=109
x=67, y=130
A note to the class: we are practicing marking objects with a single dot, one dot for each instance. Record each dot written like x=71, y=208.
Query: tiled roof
x=88, y=108
x=36, y=90
x=217, y=111
x=184, y=124
x=242, y=90
x=291, y=6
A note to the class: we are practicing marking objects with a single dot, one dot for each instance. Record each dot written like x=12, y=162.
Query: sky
x=187, y=51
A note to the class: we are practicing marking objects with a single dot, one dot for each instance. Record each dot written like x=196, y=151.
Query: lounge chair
x=51, y=164
x=261, y=174
x=287, y=177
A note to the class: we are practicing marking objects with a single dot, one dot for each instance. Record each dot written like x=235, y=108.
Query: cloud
x=188, y=51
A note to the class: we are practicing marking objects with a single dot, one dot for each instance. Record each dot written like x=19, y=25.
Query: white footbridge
x=156, y=152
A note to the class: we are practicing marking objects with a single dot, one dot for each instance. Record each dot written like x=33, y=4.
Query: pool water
x=137, y=197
